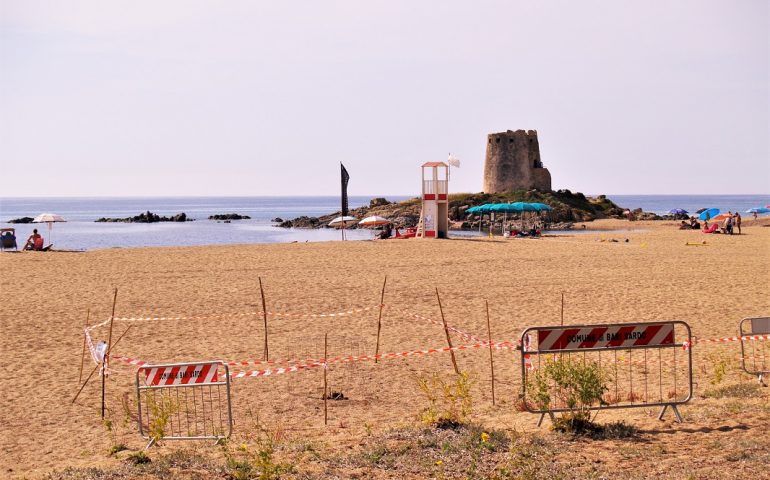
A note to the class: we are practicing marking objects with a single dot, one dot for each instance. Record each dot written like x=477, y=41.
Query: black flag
x=345, y=177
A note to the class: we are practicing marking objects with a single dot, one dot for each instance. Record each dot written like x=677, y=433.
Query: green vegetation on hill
x=567, y=206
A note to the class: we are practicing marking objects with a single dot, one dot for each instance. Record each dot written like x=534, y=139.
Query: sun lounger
x=713, y=228
x=8, y=239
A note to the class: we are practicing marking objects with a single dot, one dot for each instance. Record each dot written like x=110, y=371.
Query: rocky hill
x=567, y=207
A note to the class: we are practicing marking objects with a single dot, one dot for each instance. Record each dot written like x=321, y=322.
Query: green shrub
x=449, y=400
x=578, y=385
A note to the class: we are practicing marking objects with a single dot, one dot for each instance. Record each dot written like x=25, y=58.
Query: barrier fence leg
x=676, y=413
x=542, y=416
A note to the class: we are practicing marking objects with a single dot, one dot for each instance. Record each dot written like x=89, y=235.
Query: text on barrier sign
x=181, y=374
x=618, y=336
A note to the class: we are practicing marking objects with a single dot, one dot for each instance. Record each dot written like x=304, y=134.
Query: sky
x=204, y=98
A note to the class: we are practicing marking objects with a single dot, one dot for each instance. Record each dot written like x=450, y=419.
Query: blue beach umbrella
x=709, y=214
x=758, y=210
x=541, y=207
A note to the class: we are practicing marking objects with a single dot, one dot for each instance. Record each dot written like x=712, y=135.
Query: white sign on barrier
x=571, y=338
x=181, y=374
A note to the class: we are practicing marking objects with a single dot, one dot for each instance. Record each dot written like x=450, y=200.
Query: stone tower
x=513, y=163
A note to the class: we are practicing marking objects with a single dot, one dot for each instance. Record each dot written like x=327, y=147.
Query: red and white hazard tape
x=758, y=338
x=219, y=316
x=129, y=360
x=341, y=359
x=463, y=334
x=360, y=358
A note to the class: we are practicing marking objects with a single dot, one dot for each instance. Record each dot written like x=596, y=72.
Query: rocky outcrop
x=21, y=220
x=148, y=217
x=303, y=222
x=568, y=208
x=229, y=216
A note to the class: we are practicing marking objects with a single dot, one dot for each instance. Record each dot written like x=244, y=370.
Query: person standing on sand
x=738, y=222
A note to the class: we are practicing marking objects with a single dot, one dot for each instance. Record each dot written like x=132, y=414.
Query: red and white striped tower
x=434, y=218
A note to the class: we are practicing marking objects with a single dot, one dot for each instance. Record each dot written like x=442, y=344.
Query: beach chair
x=8, y=239
x=713, y=228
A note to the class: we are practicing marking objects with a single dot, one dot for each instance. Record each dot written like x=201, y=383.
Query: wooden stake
x=446, y=331
x=265, y=353
x=109, y=347
x=83, y=354
x=379, y=320
x=562, y=308
x=491, y=362
x=326, y=353
x=96, y=368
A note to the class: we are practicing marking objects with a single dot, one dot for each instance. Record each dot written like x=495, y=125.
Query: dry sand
x=653, y=276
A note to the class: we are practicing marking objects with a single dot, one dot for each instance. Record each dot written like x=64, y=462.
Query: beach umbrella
x=343, y=221
x=541, y=207
x=708, y=214
x=486, y=208
x=677, y=211
x=374, y=221
x=701, y=210
x=758, y=210
x=50, y=219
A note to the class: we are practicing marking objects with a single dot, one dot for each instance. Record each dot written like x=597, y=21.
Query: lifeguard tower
x=434, y=217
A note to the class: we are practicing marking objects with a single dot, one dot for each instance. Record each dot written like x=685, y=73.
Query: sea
x=81, y=232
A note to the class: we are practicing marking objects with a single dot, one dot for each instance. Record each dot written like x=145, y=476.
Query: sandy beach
x=655, y=275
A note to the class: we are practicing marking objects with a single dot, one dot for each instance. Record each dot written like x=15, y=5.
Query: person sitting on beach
x=386, y=232
x=694, y=224
x=34, y=242
x=728, y=225
x=684, y=226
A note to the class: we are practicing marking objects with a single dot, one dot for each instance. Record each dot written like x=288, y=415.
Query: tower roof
x=435, y=164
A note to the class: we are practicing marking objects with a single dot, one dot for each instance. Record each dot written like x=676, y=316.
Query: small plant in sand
x=118, y=426
x=253, y=458
x=449, y=400
x=720, y=366
x=161, y=406
x=577, y=386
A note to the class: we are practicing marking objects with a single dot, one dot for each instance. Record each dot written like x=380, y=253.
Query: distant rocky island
x=229, y=216
x=148, y=217
x=21, y=220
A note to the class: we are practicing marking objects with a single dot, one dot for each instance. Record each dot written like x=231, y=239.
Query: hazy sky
x=266, y=98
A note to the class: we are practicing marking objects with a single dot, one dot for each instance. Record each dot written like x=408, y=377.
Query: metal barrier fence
x=640, y=365
x=754, y=358
x=184, y=401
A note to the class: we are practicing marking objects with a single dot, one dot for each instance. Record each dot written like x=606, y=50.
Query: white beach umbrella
x=343, y=221
x=374, y=221
x=48, y=218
